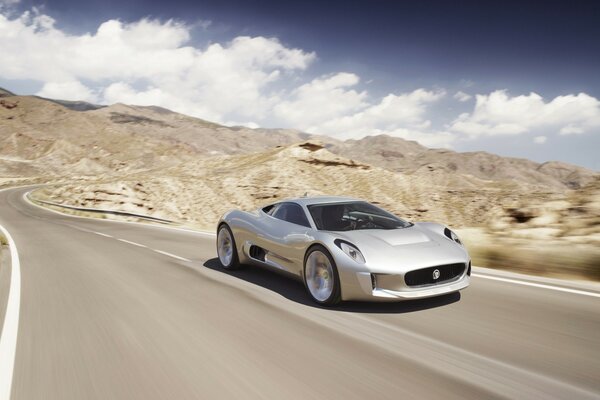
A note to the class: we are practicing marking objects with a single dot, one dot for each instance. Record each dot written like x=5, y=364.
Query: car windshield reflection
x=352, y=216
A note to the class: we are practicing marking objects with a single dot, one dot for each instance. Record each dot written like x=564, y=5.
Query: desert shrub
x=591, y=267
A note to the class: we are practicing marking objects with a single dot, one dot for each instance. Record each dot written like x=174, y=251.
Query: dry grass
x=559, y=263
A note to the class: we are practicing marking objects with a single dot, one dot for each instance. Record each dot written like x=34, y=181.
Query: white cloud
x=255, y=80
x=320, y=101
x=462, y=96
x=393, y=112
x=149, y=62
x=540, y=139
x=329, y=105
x=571, y=130
x=500, y=114
x=71, y=90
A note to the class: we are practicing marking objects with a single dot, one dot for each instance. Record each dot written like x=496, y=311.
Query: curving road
x=112, y=310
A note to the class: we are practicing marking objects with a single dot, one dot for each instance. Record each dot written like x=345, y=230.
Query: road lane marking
x=10, y=329
x=538, y=285
x=171, y=255
x=102, y=234
x=133, y=243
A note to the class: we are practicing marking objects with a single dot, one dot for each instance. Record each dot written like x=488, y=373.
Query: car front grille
x=426, y=276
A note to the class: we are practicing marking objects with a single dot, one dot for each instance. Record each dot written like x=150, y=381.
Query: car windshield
x=353, y=216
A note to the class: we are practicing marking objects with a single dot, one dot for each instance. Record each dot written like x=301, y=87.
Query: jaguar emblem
x=436, y=274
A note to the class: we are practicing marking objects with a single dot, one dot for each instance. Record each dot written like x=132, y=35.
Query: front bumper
x=363, y=289
x=420, y=293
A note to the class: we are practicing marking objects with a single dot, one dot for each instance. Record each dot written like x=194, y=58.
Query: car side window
x=293, y=213
x=270, y=209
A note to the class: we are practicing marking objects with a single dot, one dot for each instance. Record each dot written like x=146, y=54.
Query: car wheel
x=321, y=276
x=226, y=248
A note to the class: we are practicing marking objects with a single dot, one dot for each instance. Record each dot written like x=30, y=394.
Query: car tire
x=226, y=248
x=320, y=276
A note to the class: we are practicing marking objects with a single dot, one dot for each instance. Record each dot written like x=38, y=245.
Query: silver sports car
x=346, y=249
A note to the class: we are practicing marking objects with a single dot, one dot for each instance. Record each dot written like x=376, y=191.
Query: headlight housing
x=350, y=250
x=452, y=236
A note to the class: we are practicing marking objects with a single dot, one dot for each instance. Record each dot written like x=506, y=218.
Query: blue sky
x=514, y=78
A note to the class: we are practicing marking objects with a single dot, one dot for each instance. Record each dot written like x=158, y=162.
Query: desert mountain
x=152, y=161
x=5, y=93
x=43, y=138
x=207, y=138
x=40, y=136
x=410, y=157
x=201, y=190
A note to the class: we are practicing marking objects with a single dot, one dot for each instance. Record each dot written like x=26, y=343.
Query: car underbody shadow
x=294, y=290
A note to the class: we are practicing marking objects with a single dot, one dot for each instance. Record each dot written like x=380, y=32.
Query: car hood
x=391, y=237
x=404, y=249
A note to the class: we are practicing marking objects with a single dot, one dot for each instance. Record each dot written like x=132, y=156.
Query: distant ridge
x=6, y=93
x=36, y=131
x=74, y=105
x=70, y=104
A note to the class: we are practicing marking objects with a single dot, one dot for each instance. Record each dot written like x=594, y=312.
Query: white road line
x=171, y=255
x=538, y=285
x=79, y=229
x=102, y=234
x=133, y=243
x=8, y=340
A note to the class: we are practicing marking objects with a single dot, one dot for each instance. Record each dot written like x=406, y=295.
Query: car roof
x=306, y=201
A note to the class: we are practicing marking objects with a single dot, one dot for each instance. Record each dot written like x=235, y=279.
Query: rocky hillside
x=40, y=137
x=411, y=158
x=213, y=167
x=207, y=138
x=5, y=93
x=201, y=190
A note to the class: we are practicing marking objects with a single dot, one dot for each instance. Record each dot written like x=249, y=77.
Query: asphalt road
x=112, y=310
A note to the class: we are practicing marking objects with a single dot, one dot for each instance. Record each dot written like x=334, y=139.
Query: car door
x=289, y=237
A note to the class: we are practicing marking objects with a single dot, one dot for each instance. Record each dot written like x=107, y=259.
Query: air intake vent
x=429, y=276
x=257, y=253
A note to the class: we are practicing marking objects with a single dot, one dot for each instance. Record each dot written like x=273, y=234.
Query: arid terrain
x=512, y=213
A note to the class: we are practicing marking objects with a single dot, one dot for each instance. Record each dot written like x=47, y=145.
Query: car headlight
x=351, y=251
x=452, y=236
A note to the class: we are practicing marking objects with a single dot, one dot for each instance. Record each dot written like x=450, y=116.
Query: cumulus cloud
x=540, y=139
x=501, y=114
x=148, y=62
x=320, y=101
x=330, y=105
x=462, y=96
x=392, y=113
x=71, y=90
x=255, y=81
x=571, y=129
x=249, y=81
